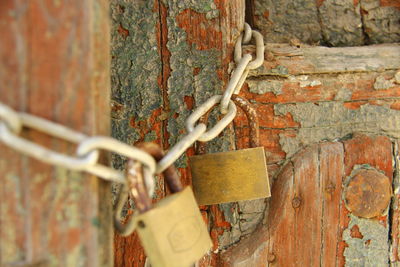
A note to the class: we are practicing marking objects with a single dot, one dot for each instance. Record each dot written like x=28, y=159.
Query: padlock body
x=173, y=232
x=230, y=176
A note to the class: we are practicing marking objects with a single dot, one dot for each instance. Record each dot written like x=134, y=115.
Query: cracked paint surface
x=371, y=247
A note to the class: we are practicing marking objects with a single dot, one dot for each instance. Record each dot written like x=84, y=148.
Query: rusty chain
x=87, y=153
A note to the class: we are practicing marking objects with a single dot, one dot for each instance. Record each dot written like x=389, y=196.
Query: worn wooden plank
x=307, y=222
x=331, y=174
x=303, y=109
x=284, y=59
x=307, y=203
x=316, y=87
x=281, y=218
x=59, y=70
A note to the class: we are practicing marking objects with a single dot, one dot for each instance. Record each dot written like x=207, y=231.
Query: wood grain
x=309, y=213
x=331, y=175
x=308, y=59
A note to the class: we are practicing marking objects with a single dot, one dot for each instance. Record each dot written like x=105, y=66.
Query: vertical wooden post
x=163, y=67
x=54, y=63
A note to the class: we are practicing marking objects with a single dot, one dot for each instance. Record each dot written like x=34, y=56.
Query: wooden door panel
x=308, y=222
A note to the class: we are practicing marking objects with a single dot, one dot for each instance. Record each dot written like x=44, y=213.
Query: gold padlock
x=234, y=175
x=172, y=231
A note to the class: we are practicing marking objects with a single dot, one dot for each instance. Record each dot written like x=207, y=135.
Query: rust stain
x=170, y=173
x=251, y=114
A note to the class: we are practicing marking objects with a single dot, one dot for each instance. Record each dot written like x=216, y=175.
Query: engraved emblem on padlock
x=234, y=175
x=172, y=231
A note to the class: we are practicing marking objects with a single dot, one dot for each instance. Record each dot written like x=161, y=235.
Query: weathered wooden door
x=328, y=116
x=329, y=122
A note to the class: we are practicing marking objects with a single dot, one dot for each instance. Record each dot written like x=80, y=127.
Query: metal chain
x=87, y=154
x=227, y=107
x=244, y=65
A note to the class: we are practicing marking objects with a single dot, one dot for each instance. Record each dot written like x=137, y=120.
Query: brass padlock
x=234, y=175
x=172, y=231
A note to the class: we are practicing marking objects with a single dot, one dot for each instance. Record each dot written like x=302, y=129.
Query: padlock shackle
x=170, y=174
x=136, y=183
x=252, y=118
x=137, y=186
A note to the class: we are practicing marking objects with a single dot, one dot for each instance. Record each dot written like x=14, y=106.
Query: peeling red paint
x=189, y=101
x=390, y=3
x=354, y=105
x=355, y=232
x=319, y=2
x=206, y=35
x=395, y=105
x=122, y=31
x=266, y=14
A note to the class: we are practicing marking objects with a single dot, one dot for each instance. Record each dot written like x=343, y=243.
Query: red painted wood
x=54, y=64
x=309, y=213
x=308, y=230
x=331, y=158
x=373, y=150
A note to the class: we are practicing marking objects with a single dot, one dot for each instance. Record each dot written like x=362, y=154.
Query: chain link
x=236, y=78
x=107, y=143
x=244, y=64
x=179, y=148
x=246, y=34
x=219, y=126
x=11, y=118
x=87, y=153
